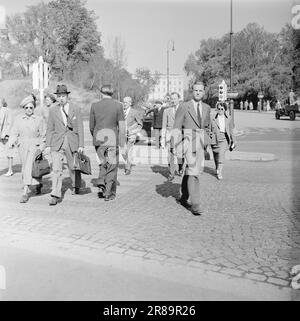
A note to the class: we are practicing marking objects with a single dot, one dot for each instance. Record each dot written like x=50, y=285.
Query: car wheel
x=292, y=115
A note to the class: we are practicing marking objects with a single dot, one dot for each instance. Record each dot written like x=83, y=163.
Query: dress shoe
x=196, y=212
x=24, y=198
x=110, y=197
x=53, y=201
x=38, y=189
x=75, y=190
x=127, y=171
x=101, y=191
x=183, y=202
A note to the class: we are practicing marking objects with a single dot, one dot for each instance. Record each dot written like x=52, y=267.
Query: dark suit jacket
x=186, y=119
x=107, y=124
x=157, y=117
x=215, y=130
x=56, y=129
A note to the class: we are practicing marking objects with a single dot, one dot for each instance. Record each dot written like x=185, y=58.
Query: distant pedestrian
x=107, y=126
x=268, y=107
x=29, y=134
x=277, y=105
x=174, y=164
x=251, y=105
x=241, y=105
x=259, y=105
x=5, y=127
x=157, y=111
x=222, y=137
x=64, y=139
x=50, y=99
x=246, y=104
x=291, y=97
x=133, y=124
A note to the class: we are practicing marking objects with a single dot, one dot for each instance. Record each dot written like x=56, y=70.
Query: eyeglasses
x=29, y=108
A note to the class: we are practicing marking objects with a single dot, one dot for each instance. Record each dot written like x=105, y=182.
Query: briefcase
x=82, y=163
x=40, y=167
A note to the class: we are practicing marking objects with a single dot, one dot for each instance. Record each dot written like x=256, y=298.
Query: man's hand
x=80, y=150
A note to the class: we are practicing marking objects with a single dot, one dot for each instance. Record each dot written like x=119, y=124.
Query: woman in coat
x=5, y=126
x=222, y=137
x=29, y=134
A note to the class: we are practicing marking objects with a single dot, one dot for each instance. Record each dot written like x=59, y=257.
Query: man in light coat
x=193, y=119
x=175, y=166
x=134, y=124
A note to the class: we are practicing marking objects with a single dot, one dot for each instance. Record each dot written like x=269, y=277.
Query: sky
x=147, y=26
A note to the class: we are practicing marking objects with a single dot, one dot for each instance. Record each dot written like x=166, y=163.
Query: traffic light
x=223, y=91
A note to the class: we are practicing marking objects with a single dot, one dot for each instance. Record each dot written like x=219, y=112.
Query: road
x=145, y=246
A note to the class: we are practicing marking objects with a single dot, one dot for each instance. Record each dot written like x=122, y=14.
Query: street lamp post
x=168, y=69
x=231, y=68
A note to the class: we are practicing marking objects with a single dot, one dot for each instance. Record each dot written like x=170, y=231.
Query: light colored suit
x=64, y=140
x=195, y=137
x=167, y=127
x=134, y=124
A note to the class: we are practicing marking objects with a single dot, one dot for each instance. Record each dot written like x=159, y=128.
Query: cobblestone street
x=249, y=231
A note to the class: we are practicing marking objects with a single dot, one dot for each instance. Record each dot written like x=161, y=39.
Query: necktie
x=198, y=114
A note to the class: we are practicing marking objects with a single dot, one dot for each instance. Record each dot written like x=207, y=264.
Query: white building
x=176, y=83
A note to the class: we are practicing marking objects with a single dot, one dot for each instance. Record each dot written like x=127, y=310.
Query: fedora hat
x=61, y=89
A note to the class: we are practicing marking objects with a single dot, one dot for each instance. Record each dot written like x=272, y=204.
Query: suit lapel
x=59, y=115
x=192, y=113
x=71, y=112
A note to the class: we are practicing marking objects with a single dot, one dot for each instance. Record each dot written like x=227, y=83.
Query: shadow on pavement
x=168, y=189
x=162, y=170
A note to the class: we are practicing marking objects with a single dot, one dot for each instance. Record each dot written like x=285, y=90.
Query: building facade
x=176, y=83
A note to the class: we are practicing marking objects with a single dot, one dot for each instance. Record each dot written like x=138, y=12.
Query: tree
x=261, y=61
x=63, y=31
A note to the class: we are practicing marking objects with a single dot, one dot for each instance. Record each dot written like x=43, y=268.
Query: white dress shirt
x=221, y=120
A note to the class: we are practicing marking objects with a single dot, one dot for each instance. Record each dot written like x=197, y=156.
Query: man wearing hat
x=107, y=127
x=64, y=137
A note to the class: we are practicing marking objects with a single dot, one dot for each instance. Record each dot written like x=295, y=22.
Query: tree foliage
x=262, y=61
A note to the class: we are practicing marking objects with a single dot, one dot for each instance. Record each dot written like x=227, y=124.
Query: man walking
x=168, y=139
x=107, y=127
x=134, y=124
x=193, y=118
x=158, y=111
x=64, y=137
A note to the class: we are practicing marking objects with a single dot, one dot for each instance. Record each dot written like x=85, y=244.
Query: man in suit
x=193, y=119
x=167, y=142
x=64, y=137
x=158, y=111
x=107, y=127
x=134, y=124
